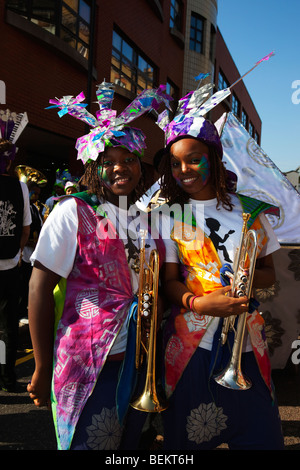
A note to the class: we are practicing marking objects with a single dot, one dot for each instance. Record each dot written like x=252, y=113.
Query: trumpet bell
x=26, y=173
x=149, y=401
x=234, y=379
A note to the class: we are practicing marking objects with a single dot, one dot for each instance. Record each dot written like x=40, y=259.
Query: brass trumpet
x=26, y=173
x=149, y=400
x=232, y=376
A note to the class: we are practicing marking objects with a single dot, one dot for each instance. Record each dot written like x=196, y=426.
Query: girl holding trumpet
x=203, y=414
x=86, y=254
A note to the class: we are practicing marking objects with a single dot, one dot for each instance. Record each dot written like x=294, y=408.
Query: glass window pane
x=127, y=51
x=72, y=4
x=199, y=36
x=115, y=60
x=50, y=27
x=142, y=64
x=117, y=41
x=128, y=70
x=83, y=50
x=19, y=5
x=84, y=32
x=68, y=20
x=44, y=9
x=65, y=36
x=115, y=78
x=141, y=81
x=85, y=11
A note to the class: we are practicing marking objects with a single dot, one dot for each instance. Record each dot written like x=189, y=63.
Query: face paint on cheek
x=178, y=181
x=203, y=168
x=102, y=175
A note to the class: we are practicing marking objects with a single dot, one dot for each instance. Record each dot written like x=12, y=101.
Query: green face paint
x=102, y=175
x=203, y=168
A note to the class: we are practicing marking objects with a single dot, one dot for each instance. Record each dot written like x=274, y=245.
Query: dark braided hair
x=218, y=179
x=94, y=185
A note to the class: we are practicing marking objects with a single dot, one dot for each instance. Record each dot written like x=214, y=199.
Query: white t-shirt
x=224, y=229
x=57, y=244
x=12, y=262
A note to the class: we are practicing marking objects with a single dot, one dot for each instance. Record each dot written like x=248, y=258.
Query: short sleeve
x=57, y=243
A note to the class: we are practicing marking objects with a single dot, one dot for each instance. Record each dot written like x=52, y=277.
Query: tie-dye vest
x=94, y=303
x=200, y=265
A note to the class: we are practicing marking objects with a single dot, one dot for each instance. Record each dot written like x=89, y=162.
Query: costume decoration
x=186, y=329
x=12, y=125
x=107, y=127
x=259, y=177
x=189, y=120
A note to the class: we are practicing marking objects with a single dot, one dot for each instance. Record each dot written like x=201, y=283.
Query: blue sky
x=252, y=29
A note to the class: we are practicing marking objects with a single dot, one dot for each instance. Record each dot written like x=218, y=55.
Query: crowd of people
x=85, y=294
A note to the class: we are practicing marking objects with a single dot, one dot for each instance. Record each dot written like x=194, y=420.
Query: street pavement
x=23, y=426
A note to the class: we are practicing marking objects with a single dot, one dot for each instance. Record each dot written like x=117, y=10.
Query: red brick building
x=53, y=48
x=67, y=46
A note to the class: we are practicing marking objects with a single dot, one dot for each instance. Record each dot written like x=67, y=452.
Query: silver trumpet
x=242, y=279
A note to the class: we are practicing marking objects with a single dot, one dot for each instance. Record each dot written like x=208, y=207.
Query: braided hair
x=218, y=179
x=93, y=181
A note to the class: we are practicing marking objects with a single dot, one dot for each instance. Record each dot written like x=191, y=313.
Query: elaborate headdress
x=189, y=117
x=107, y=128
x=11, y=127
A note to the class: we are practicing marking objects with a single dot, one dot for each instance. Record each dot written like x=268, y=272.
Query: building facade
x=206, y=52
x=53, y=48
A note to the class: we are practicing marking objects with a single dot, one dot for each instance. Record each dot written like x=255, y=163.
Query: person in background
x=71, y=188
x=15, y=220
x=26, y=267
x=58, y=190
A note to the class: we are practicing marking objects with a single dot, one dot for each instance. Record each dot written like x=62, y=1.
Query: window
x=235, y=106
x=176, y=15
x=130, y=69
x=222, y=82
x=196, y=33
x=244, y=119
x=68, y=19
x=172, y=90
x=212, y=44
x=251, y=129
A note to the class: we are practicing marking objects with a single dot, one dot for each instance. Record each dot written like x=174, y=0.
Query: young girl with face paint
x=203, y=414
x=86, y=254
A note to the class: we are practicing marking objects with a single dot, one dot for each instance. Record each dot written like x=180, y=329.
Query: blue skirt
x=203, y=414
x=98, y=427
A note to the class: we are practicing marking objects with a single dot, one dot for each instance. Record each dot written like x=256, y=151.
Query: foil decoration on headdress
x=108, y=129
x=12, y=125
x=189, y=117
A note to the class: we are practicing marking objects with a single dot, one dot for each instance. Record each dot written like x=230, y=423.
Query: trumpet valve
x=146, y=304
